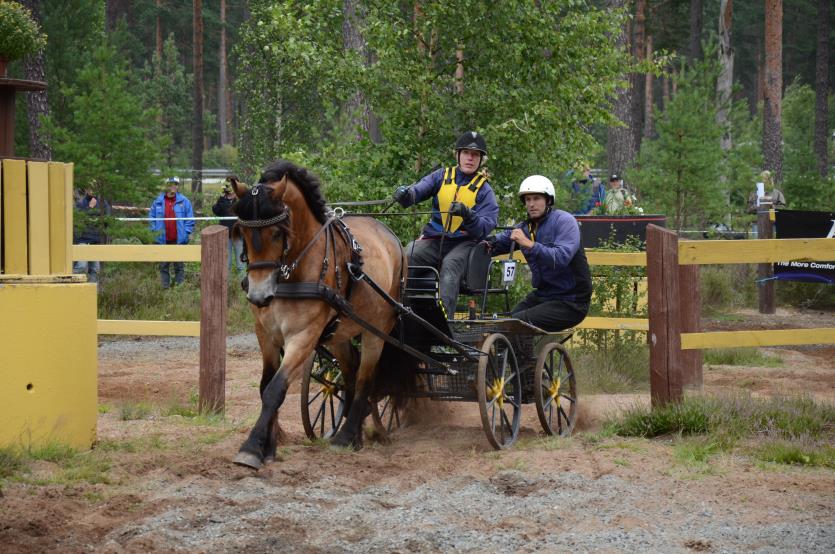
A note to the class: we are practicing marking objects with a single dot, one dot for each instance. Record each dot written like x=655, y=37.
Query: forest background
x=689, y=99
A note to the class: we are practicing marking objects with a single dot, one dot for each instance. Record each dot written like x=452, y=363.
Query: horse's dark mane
x=250, y=207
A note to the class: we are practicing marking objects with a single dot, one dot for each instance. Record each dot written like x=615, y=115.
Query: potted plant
x=19, y=34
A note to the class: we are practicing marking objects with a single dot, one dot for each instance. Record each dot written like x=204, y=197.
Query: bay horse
x=301, y=263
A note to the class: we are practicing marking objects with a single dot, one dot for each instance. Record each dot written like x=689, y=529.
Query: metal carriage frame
x=500, y=363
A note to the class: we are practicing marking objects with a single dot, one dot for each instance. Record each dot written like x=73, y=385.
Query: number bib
x=508, y=271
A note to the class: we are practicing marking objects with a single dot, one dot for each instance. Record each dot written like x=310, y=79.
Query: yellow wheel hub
x=327, y=388
x=496, y=391
x=554, y=389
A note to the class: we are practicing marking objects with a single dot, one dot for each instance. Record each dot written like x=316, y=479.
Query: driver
x=550, y=241
x=464, y=211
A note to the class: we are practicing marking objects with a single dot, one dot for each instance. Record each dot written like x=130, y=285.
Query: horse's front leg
x=351, y=432
x=261, y=442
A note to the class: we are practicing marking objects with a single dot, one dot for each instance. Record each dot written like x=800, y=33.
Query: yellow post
x=60, y=216
x=14, y=217
x=48, y=364
x=38, y=182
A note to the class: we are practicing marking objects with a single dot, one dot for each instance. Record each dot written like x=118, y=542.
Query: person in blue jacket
x=464, y=212
x=550, y=241
x=169, y=205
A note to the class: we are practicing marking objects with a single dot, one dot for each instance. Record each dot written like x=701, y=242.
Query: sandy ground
x=438, y=486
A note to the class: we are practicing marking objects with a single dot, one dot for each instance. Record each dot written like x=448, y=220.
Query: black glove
x=461, y=210
x=404, y=196
x=489, y=243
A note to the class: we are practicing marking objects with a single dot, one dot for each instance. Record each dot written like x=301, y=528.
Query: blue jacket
x=182, y=208
x=557, y=260
x=589, y=193
x=485, y=213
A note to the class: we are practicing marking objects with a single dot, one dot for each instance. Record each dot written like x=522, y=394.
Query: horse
x=306, y=270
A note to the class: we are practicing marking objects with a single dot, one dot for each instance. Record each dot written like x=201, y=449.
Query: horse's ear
x=237, y=186
x=278, y=189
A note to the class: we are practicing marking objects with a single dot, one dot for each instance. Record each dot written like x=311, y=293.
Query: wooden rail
x=674, y=310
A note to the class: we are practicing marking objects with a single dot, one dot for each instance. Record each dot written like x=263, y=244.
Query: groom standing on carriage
x=464, y=212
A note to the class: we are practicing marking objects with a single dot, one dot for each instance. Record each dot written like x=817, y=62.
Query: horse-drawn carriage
x=496, y=361
x=336, y=304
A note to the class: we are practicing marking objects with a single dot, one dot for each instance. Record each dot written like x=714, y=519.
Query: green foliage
x=10, y=462
x=108, y=135
x=75, y=29
x=740, y=356
x=19, y=33
x=167, y=90
x=802, y=185
x=134, y=410
x=678, y=172
x=727, y=286
x=532, y=91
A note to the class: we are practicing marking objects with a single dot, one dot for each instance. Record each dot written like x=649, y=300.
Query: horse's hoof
x=344, y=442
x=248, y=460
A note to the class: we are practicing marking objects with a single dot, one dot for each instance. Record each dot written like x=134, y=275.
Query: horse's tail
x=396, y=372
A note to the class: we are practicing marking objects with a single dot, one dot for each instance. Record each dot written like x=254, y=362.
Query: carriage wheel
x=499, y=391
x=388, y=415
x=322, y=396
x=555, y=391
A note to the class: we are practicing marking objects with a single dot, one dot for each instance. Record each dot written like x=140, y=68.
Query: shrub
x=19, y=33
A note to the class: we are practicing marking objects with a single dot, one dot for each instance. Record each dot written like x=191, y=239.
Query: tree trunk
x=158, y=35
x=222, y=95
x=724, y=85
x=696, y=11
x=37, y=105
x=726, y=73
x=822, y=87
x=114, y=10
x=459, y=69
x=665, y=92
x=621, y=150
x=648, y=94
x=197, y=128
x=638, y=80
x=357, y=108
x=772, y=109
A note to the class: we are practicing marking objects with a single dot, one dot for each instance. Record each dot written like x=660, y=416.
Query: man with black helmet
x=464, y=212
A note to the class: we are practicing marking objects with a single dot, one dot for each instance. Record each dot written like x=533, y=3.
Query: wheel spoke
x=315, y=396
x=569, y=398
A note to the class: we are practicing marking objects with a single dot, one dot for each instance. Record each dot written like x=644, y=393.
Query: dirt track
x=437, y=487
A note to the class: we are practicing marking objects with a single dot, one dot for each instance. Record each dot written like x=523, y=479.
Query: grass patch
x=134, y=410
x=793, y=428
x=741, y=356
x=52, y=452
x=133, y=291
x=11, y=462
x=621, y=368
x=795, y=453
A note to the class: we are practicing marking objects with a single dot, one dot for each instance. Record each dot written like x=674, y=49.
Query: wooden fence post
x=214, y=268
x=664, y=336
x=691, y=311
x=765, y=285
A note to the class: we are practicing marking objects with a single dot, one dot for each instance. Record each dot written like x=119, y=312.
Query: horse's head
x=285, y=195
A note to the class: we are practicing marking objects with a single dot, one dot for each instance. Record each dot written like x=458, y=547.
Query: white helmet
x=537, y=184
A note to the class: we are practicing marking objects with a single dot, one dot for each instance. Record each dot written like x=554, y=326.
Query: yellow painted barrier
x=137, y=252
x=38, y=183
x=140, y=327
x=48, y=364
x=15, y=234
x=60, y=217
x=615, y=323
x=771, y=337
x=691, y=252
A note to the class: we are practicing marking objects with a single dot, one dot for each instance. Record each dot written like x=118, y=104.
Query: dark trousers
x=165, y=273
x=453, y=264
x=549, y=315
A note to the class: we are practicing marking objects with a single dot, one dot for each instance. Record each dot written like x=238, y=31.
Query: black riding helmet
x=471, y=140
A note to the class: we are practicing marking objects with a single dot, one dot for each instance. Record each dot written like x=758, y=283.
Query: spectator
x=223, y=208
x=91, y=233
x=767, y=194
x=464, y=211
x=618, y=197
x=587, y=191
x=173, y=221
